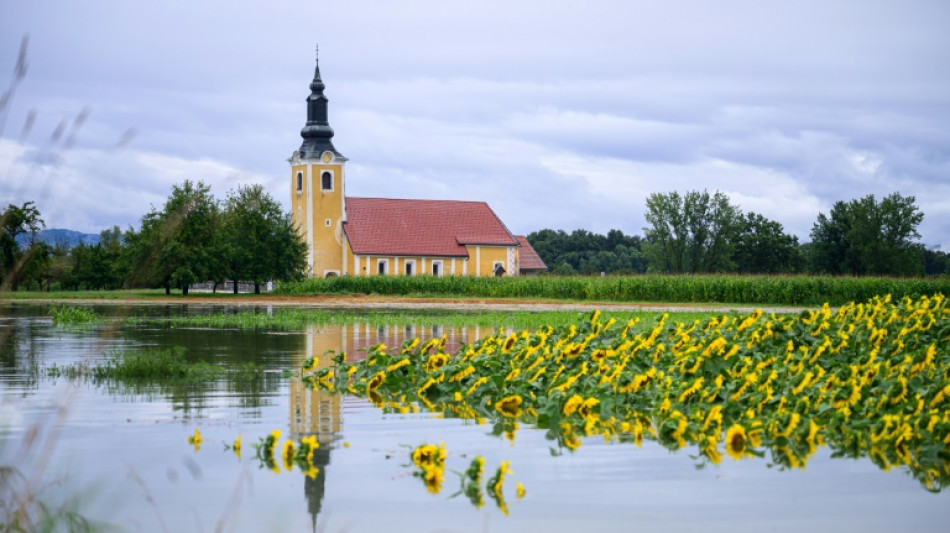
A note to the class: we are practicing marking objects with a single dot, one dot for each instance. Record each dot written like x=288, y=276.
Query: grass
x=298, y=319
x=86, y=295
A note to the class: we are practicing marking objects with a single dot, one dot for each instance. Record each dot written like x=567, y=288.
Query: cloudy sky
x=559, y=114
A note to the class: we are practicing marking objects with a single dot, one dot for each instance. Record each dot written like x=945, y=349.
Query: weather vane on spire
x=317, y=52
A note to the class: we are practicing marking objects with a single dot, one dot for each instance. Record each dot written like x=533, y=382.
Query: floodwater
x=118, y=454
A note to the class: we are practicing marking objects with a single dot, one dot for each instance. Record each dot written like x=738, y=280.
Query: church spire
x=317, y=133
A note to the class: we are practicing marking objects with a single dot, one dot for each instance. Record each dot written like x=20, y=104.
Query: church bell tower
x=318, y=204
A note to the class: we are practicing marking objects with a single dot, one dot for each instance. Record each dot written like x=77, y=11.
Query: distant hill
x=68, y=237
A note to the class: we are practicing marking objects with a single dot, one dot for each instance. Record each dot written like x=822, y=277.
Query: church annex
x=349, y=236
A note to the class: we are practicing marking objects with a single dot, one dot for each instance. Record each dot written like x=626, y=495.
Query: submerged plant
x=69, y=315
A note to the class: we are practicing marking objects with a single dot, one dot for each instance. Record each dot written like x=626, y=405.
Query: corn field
x=779, y=290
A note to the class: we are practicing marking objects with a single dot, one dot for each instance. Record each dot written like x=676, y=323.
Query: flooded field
x=117, y=453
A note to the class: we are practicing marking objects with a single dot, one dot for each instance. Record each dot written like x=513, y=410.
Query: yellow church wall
x=298, y=198
x=481, y=263
x=318, y=215
x=366, y=265
x=327, y=206
x=483, y=259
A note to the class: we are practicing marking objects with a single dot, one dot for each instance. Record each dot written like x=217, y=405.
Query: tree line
x=699, y=232
x=193, y=238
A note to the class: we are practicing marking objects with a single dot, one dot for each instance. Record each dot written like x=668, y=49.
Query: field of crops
x=780, y=290
x=867, y=380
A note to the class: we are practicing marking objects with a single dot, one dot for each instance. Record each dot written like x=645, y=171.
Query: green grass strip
x=299, y=319
x=755, y=290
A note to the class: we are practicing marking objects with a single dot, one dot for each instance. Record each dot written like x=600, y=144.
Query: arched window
x=299, y=181
x=327, y=181
x=499, y=270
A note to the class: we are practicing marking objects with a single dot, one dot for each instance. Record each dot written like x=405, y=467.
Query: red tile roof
x=383, y=226
x=528, y=259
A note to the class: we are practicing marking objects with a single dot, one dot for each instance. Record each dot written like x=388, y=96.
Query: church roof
x=384, y=226
x=528, y=258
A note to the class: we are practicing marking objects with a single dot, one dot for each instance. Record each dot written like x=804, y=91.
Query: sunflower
x=433, y=476
x=436, y=361
x=509, y=406
x=571, y=405
x=196, y=440
x=736, y=442
x=475, y=469
x=375, y=381
x=585, y=408
x=288, y=455
x=428, y=455
x=509, y=343
x=237, y=446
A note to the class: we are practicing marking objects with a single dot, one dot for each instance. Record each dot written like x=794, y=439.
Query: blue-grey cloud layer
x=559, y=114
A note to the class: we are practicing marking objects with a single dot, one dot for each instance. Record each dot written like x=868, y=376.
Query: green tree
x=261, y=242
x=588, y=253
x=763, y=247
x=16, y=223
x=866, y=237
x=60, y=267
x=935, y=261
x=179, y=245
x=692, y=233
x=99, y=266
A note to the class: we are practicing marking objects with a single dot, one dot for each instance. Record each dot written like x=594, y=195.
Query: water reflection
x=315, y=411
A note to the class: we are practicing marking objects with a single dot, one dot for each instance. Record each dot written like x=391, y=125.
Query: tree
x=864, y=237
x=762, y=246
x=99, y=266
x=16, y=223
x=588, y=253
x=179, y=245
x=691, y=233
x=935, y=261
x=261, y=242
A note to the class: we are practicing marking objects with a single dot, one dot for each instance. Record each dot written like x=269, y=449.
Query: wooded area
x=193, y=238
x=699, y=232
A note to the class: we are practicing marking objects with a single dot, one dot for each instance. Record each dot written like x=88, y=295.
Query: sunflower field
x=865, y=379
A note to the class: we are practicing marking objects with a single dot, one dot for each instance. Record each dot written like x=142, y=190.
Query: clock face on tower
x=327, y=156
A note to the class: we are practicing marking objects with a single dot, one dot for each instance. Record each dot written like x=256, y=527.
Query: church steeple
x=317, y=133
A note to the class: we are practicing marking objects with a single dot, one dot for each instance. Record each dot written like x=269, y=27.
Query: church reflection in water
x=318, y=412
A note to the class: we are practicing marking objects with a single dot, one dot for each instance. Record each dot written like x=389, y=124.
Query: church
x=349, y=236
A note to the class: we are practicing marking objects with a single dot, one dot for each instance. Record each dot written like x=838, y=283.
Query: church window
x=326, y=181
x=437, y=268
x=299, y=181
x=410, y=267
x=382, y=265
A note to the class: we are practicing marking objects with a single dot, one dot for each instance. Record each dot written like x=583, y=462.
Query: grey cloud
x=473, y=100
